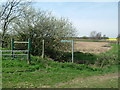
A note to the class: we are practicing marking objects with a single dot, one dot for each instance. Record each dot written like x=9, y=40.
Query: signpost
x=72, y=50
x=72, y=41
x=66, y=40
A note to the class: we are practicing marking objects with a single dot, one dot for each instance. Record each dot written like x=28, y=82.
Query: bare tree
x=93, y=34
x=8, y=12
x=98, y=35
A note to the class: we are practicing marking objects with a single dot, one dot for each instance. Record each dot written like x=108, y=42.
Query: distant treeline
x=84, y=37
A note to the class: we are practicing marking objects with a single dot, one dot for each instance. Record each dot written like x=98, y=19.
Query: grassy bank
x=47, y=73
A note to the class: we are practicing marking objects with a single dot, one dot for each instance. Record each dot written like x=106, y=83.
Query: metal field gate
x=13, y=53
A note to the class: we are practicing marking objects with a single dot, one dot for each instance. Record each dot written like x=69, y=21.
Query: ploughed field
x=91, y=47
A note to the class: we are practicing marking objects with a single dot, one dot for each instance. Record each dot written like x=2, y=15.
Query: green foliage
x=79, y=57
x=114, y=50
x=101, y=60
x=85, y=37
x=45, y=72
x=38, y=63
x=39, y=25
x=108, y=58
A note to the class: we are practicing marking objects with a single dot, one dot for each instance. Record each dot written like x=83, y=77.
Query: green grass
x=114, y=50
x=90, y=58
x=15, y=56
x=80, y=57
x=17, y=73
x=47, y=73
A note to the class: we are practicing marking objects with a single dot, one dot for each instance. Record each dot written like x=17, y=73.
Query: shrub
x=106, y=60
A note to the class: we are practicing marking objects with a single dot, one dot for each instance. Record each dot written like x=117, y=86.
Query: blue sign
x=66, y=40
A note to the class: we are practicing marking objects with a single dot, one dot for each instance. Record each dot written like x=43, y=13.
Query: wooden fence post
x=29, y=46
x=43, y=48
x=12, y=47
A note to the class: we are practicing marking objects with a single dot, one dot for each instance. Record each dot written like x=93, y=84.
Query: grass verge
x=45, y=73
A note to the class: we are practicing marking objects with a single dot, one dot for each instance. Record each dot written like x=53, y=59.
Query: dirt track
x=93, y=78
x=91, y=47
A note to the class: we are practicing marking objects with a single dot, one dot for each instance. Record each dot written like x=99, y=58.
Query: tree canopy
x=27, y=22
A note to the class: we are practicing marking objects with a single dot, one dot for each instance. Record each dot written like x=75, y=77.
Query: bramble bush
x=105, y=60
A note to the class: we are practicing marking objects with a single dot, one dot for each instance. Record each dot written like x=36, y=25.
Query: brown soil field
x=91, y=47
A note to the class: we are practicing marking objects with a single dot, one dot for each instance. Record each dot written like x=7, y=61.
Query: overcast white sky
x=87, y=16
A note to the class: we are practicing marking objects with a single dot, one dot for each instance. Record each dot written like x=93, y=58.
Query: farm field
x=45, y=73
x=92, y=47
